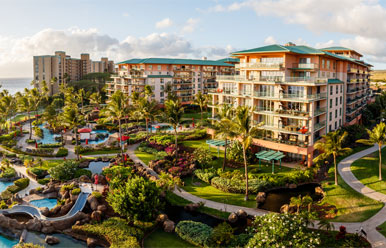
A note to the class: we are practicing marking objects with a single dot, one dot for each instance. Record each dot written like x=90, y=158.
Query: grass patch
x=161, y=239
x=196, y=116
x=144, y=156
x=352, y=206
x=382, y=229
x=206, y=191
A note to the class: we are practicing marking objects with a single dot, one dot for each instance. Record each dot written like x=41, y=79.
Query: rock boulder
x=51, y=240
x=168, y=226
x=261, y=196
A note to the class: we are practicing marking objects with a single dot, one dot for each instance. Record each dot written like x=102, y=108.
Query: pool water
x=163, y=128
x=48, y=136
x=97, y=167
x=99, y=141
x=6, y=242
x=4, y=185
x=49, y=203
x=65, y=240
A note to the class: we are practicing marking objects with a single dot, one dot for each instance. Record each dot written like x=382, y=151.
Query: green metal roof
x=176, y=62
x=337, y=48
x=264, y=49
x=232, y=60
x=159, y=76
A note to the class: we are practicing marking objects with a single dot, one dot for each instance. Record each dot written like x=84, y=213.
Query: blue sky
x=126, y=29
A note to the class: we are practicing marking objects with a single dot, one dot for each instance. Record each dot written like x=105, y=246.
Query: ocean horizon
x=14, y=85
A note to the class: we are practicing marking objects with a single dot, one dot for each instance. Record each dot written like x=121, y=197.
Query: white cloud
x=165, y=23
x=16, y=53
x=190, y=25
x=270, y=40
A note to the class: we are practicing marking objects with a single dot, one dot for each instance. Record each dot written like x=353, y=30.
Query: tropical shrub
x=282, y=230
x=27, y=245
x=43, y=181
x=115, y=230
x=222, y=235
x=205, y=174
x=30, y=141
x=8, y=172
x=97, y=194
x=165, y=139
x=76, y=191
x=54, y=145
x=62, y=152
x=241, y=240
x=235, y=153
x=21, y=183
x=196, y=233
x=64, y=171
x=238, y=186
x=38, y=132
x=202, y=156
x=137, y=199
x=37, y=172
x=81, y=172
x=120, y=174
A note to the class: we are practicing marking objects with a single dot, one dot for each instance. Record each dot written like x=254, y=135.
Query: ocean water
x=14, y=85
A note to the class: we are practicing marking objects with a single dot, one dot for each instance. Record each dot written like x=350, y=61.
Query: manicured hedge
x=196, y=233
x=206, y=175
x=62, y=152
x=238, y=186
x=8, y=173
x=54, y=145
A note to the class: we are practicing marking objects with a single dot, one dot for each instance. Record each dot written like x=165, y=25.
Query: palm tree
x=224, y=128
x=173, y=116
x=307, y=200
x=296, y=201
x=72, y=119
x=52, y=83
x=81, y=95
x=242, y=122
x=115, y=111
x=376, y=136
x=96, y=98
x=149, y=110
x=171, y=95
x=148, y=92
x=26, y=104
x=201, y=100
x=331, y=144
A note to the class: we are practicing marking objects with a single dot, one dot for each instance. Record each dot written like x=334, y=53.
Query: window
x=336, y=101
x=162, y=87
x=341, y=88
x=330, y=103
x=322, y=63
x=340, y=112
x=336, y=113
x=329, y=128
x=341, y=99
x=328, y=64
x=199, y=86
x=336, y=125
x=340, y=122
x=162, y=80
x=159, y=67
x=330, y=116
x=334, y=65
x=331, y=90
x=337, y=89
x=161, y=94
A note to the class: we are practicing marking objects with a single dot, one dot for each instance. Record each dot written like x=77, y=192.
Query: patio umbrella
x=86, y=141
x=36, y=144
x=96, y=177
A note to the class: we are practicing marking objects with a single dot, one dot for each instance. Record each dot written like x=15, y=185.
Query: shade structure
x=84, y=130
x=216, y=143
x=270, y=156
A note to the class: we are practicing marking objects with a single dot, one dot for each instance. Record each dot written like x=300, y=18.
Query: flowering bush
x=202, y=156
x=171, y=150
x=282, y=230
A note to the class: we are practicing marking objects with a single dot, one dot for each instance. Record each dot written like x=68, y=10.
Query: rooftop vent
x=290, y=44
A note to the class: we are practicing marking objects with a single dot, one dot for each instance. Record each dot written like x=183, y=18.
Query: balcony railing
x=275, y=79
x=319, y=125
x=292, y=129
x=320, y=111
x=304, y=66
x=258, y=65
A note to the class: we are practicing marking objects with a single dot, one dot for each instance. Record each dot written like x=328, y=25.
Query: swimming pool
x=6, y=242
x=4, y=185
x=163, y=128
x=49, y=203
x=99, y=141
x=48, y=136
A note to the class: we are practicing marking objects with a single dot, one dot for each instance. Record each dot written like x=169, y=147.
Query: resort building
x=66, y=69
x=183, y=76
x=298, y=93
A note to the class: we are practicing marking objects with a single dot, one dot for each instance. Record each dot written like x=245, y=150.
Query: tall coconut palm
x=52, y=84
x=149, y=110
x=72, y=119
x=376, y=136
x=246, y=131
x=115, y=111
x=81, y=95
x=224, y=128
x=331, y=145
x=148, y=92
x=171, y=95
x=96, y=98
x=26, y=104
x=202, y=101
x=173, y=116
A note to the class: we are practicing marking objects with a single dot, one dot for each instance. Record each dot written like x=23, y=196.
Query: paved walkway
x=369, y=226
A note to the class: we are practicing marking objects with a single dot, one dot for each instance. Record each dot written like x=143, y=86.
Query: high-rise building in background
x=298, y=93
x=66, y=69
x=184, y=76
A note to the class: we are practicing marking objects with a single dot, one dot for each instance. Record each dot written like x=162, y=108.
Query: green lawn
x=352, y=206
x=196, y=116
x=145, y=157
x=366, y=170
x=161, y=239
x=383, y=229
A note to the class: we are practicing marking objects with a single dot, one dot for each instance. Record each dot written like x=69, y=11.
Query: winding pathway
x=369, y=226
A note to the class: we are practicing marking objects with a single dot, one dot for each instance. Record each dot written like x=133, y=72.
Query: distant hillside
x=378, y=75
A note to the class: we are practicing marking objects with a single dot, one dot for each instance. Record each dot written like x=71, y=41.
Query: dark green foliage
x=205, y=174
x=196, y=233
x=64, y=171
x=81, y=172
x=62, y=152
x=355, y=132
x=235, y=153
x=44, y=181
x=38, y=172
x=117, y=175
x=76, y=191
x=138, y=199
x=222, y=235
x=8, y=172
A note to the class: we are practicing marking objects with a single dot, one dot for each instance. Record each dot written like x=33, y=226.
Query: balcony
x=304, y=66
x=258, y=65
x=320, y=111
x=182, y=82
x=281, y=80
x=282, y=141
x=319, y=126
x=291, y=129
x=352, y=70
